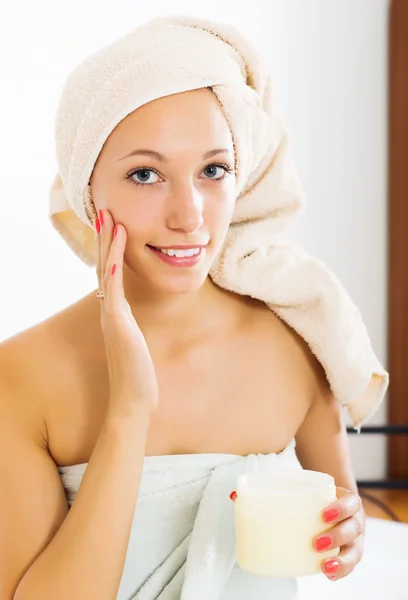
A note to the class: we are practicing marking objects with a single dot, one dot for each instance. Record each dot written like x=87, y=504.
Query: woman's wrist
x=120, y=414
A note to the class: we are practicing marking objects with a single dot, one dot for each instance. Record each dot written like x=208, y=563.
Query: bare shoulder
x=285, y=347
x=40, y=362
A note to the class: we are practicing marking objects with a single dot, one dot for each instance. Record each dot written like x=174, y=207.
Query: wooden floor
x=396, y=500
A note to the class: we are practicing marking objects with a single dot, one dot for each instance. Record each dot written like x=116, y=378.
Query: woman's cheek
x=221, y=216
x=143, y=222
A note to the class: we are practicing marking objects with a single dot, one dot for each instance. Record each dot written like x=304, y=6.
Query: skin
x=235, y=346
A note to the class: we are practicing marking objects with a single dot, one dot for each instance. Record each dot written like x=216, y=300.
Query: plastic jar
x=277, y=515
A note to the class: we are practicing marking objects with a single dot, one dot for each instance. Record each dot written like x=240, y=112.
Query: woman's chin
x=178, y=284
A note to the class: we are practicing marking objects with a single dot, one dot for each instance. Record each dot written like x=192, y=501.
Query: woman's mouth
x=179, y=256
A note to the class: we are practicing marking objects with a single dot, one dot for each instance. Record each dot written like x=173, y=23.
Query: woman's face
x=175, y=192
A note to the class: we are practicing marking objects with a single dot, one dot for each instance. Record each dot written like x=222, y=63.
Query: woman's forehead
x=189, y=120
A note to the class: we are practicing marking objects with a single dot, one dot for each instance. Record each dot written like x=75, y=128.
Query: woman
x=163, y=362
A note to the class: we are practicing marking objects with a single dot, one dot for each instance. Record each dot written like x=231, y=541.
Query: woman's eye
x=211, y=171
x=144, y=177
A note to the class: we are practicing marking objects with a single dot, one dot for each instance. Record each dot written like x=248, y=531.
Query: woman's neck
x=177, y=318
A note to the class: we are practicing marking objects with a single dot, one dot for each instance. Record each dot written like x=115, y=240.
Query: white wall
x=329, y=62
x=328, y=58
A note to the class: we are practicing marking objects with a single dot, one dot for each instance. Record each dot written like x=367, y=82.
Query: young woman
x=163, y=362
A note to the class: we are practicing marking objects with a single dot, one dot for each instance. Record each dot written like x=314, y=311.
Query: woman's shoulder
x=282, y=344
x=37, y=363
x=23, y=360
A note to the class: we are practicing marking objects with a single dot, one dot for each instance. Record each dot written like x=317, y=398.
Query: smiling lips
x=179, y=256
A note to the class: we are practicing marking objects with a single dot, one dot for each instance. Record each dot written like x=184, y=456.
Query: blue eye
x=212, y=171
x=145, y=178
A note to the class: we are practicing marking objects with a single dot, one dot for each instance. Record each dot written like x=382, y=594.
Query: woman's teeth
x=178, y=253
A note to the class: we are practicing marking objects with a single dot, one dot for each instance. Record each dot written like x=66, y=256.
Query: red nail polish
x=323, y=543
x=115, y=231
x=233, y=496
x=101, y=218
x=97, y=225
x=331, y=566
x=331, y=515
x=113, y=269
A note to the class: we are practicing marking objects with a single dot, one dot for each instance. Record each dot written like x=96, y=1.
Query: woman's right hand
x=132, y=378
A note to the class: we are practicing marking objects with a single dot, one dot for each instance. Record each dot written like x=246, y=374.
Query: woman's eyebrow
x=162, y=158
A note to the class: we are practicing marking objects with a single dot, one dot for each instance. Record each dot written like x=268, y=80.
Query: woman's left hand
x=348, y=515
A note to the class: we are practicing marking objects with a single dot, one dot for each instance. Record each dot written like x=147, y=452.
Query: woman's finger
x=115, y=299
x=98, y=245
x=107, y=227
x=339, y=566
x=347, y=504
x=340, y=535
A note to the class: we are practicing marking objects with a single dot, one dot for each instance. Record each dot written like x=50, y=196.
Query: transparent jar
x=277, y=516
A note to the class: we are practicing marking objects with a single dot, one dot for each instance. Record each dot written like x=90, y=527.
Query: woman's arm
x=322, y=439
x=322, y=445
x=47, y=552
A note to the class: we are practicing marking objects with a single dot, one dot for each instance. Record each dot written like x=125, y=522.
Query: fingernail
x=97, y=225
x=115, y=231
x=233, y=496
x=101, y=218
x=331, y=515
x=331, y=566
x=323, y=543
x=113, y=269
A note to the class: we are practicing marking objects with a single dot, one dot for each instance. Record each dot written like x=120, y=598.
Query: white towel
x=176, y=54
x=182, y=540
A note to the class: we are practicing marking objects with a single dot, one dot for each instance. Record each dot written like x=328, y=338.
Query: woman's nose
x=186, y=211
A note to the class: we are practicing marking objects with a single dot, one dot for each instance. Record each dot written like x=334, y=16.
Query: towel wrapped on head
x=173, y=54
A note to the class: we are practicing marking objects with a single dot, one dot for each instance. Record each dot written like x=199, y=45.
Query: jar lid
x=285, y=482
